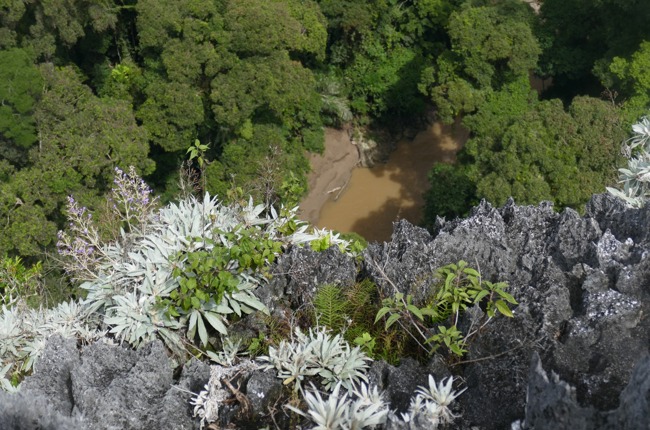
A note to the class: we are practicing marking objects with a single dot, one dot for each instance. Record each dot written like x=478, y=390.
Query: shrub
x=636, y=177
x=18, y=282
x=459, y=287
x=186, y=267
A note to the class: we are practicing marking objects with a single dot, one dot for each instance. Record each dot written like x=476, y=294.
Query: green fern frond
x=331, y=307
x=361, y=298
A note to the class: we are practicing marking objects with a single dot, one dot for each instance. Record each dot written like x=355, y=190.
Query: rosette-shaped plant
x=635, y=178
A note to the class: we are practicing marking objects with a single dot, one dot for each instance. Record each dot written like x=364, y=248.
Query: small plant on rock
x=351, y=312
x=432, y=403
x=24, y=331
x=359, y=409
x=460, y=287
x=317, y=354
x=365, y=407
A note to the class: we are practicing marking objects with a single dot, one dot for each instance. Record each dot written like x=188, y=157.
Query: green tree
x=10, y=15
x=81, y=139
x=214, y=71
x=384, y=80
x=451, y=194
x=80, y=131
x=20, y=88
x=490, y=46
x=262, y=28
x=50, y=28
x=260, y=164
x=583, y=36
x=172, y=114
x=631, y=76
x=271, y=88
x=548, y=154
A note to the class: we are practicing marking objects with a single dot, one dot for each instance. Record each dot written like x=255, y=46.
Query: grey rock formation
x=301, y=271
x=52, y=375
x=634, y=410
x=106, y=387
x=265, y=392
x=552, y=405
x=28, y=412
x=583, y=287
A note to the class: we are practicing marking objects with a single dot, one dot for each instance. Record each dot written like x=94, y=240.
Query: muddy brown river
x=372, y=199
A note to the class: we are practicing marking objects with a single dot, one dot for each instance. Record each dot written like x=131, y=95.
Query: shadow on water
x=375, y=198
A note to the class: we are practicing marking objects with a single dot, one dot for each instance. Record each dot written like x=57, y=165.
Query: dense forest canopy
x=87, y=86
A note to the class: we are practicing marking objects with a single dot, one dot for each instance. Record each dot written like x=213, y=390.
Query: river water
x=374, y=198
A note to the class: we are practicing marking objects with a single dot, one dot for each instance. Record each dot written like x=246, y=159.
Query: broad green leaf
x=480, y=296
x=456, y=349
x=196, y=303
x=415, y=311
x=472, y=272
x=391, y=320
x=381, y=313
x=428, y=311
x=450, y=278
x=507, y=297
x=503, y=308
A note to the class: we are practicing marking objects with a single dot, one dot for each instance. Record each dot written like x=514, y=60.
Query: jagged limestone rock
x=105, y=386
x=583, y=286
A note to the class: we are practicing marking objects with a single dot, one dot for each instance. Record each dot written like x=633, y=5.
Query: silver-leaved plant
x=24, y=331
x=318, y=353
x=364, y=407
x=128, y=276
x=635, y=178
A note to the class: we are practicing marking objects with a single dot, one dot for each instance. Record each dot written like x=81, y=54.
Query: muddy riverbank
x=347, y=198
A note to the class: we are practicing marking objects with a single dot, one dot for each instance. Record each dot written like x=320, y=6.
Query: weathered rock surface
x=551, y=403
x=583, y=286
x=105, y=387
x=300, y=272
x=21, y=412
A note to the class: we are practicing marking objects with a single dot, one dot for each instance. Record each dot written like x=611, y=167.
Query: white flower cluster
x=636, y=177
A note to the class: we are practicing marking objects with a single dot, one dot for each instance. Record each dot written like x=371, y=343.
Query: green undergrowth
x=352, y=311
x=392, y=327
